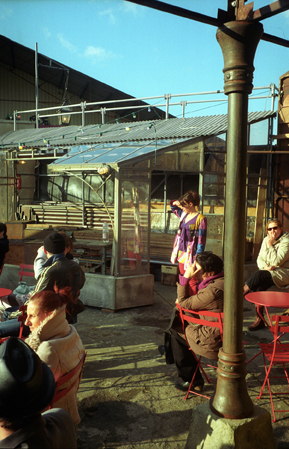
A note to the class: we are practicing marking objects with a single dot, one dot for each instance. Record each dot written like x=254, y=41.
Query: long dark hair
x=210, y=262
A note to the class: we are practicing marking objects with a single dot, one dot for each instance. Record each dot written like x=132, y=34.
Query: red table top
x=269, y=299
x=5, y=292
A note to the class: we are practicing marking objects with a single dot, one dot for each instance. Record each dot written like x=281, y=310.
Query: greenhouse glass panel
x=134, y=226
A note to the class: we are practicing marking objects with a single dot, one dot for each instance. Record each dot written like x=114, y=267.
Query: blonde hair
x=276, y=221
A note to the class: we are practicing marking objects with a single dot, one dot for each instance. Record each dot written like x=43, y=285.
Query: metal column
x=238, y=41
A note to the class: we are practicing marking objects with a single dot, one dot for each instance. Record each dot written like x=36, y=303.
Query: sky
x=141, y=51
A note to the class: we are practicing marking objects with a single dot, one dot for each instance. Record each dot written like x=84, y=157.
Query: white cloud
x=46, y=33
x=5, y=12
x=109, y=14
x=66, y=44
x=130, y=8
x=98, y=54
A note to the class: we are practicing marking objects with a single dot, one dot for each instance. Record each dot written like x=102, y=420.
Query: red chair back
x=61, y=392
x=23, y=271
x=278, y=326
x=192, y=316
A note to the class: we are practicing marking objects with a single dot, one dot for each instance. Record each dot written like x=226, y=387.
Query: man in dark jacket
x=203, y=340
x=27, y=387
x=58, y=272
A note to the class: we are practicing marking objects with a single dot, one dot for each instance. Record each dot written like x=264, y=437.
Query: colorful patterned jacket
x=193, y=237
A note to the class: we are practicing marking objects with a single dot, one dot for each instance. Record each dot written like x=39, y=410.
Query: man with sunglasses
x=273, y=264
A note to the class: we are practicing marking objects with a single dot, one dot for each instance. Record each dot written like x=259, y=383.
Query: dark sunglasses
x=273, y=229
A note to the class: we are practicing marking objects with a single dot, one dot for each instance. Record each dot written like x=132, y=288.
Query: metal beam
x=275, y=40
x=177, y=11
x=271, y=10
x=187, y=14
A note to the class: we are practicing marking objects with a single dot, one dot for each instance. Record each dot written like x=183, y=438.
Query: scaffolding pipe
x=36, y=86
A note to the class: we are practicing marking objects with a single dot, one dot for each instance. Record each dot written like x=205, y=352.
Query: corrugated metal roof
x=174, y=128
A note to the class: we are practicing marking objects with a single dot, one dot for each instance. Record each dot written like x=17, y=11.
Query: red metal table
x=5, y=292
x=267, y=299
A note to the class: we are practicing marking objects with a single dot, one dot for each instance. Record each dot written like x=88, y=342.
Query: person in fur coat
x=55, y=341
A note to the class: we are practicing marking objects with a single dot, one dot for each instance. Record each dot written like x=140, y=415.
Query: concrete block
x=117, y=293
x=106, y=292
x=209, y=431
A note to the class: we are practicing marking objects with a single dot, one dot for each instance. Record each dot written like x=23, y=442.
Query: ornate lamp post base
x=231, y=399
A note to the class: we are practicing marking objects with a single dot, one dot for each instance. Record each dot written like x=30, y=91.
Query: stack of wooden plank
x=73, y=215
x=161, y=246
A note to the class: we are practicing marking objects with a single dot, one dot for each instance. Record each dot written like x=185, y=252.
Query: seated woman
x=55, y=341
x=273, y=264
x=205, y=341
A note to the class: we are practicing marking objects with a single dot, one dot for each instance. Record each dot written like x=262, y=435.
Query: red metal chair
x=191, y=316
x=24, y=271
x=275, y=353
x=60, y=390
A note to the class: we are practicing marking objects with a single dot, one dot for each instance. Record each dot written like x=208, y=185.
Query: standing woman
x=191, y=236
x=4, y=243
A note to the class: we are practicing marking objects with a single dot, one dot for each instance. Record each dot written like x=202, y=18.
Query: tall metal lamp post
x=238, y=34
x=238, y=40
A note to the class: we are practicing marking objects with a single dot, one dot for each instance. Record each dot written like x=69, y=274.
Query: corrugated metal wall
x=17, y=93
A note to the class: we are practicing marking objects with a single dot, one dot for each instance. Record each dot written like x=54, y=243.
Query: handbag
x=168, y=351
x=175, y=251
x=23, y=288
x=175, y=323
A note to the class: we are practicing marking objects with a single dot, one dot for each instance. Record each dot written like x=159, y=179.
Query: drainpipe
x=36, y=86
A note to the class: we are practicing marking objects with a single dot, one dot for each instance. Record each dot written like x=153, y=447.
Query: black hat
x=54, y=243
x=27, y=384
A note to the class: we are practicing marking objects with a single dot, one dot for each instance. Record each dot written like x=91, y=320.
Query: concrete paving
x=127, y=398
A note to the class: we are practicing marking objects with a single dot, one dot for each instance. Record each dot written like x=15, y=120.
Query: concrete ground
x=127, y=398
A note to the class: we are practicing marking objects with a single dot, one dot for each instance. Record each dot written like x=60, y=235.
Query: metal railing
x=167, y=104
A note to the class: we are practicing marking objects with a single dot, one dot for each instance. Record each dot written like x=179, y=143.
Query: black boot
x=258, y=323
